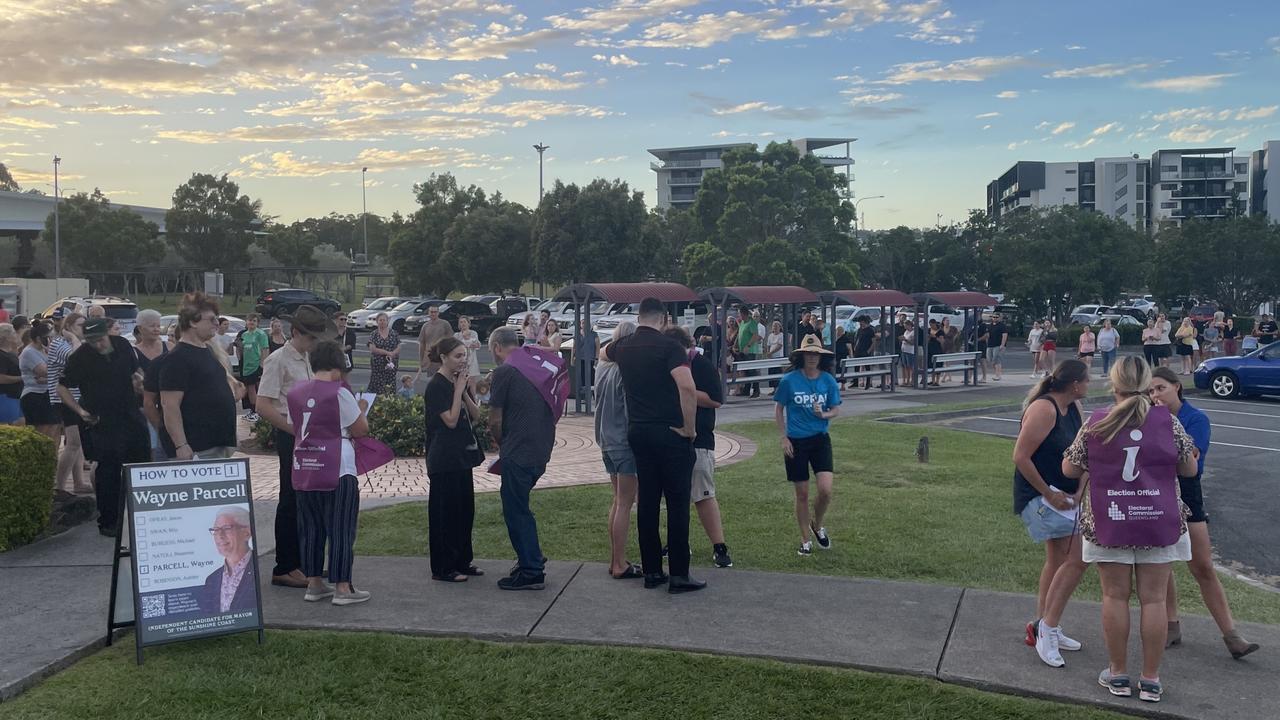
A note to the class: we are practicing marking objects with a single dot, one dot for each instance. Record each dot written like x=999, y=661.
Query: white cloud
x=1018, y=144
x=873, y=98
x=1076, y=47
x=980, y=116
x=1207, y=114
x=1188, y=83
x=711, y=29
x=1194, y=133
x=26, y=123
x=286, y=164
x=1256, y=113
x=1007, y=94
x=545, y=67
x=974, y=69
x=617, y=17
x=1105, y=70
x=1061, y=128
x=540, y=82
x=986, y=127
x=1083, y=144
x=717, y=64
x=607, y=160
x=620, y=59
x=1104, y=129
x=753, y=106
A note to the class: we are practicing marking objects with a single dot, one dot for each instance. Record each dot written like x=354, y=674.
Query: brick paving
x=575, y=460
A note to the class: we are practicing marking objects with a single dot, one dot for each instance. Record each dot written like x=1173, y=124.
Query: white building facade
x=680, y=169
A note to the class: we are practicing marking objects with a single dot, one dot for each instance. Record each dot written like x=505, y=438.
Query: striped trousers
x=329, y=515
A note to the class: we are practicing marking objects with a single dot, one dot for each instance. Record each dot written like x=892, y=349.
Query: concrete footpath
x=955, y=635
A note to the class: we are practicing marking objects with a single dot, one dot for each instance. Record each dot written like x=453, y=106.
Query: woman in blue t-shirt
x=807, y=398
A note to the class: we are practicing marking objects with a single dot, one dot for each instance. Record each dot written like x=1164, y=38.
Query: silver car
x=357, y=318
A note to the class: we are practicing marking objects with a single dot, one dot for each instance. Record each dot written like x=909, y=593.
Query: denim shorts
x=1045, y=524
x=619, y=462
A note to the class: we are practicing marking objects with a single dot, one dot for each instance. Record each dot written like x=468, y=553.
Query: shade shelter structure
x=581, y=295
x=971, y=304
x=887, y=300
x=722, y=299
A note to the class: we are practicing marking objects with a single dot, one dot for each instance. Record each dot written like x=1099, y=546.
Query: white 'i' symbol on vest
x=306, y=417
x=1131, y=472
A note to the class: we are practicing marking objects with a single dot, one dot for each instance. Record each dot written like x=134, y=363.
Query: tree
x=705, y=265
x=1054, y=257
x=1234, y=262
x=293, y=246
x=895, y=259
x=667, y=234
x=7, y=182
x=783, y=199
x=487, y=250
x=417, y=250
x=98, y=238
x=211, y=224
x=594, y=233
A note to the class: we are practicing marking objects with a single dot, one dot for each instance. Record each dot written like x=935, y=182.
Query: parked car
x=1202, y=313
x=1144, y=305
x=405, y=310
x=483, y=321
x=1118, y=320
x=561, y=311
x=1257, y=373
x=1089, y=314
x=508, y=306
x=356, y=318
x=123, y=311
x=1131, y=312
x=605, y=326
x=237, y=324
x=486, y=299
x=277, y=301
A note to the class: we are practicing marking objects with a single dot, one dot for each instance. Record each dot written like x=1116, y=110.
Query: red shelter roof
x=956, y=299
x=761, y=294
x=868, y=298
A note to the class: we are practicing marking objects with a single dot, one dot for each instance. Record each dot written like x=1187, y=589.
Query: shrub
x=28, y=461
x=398, y=422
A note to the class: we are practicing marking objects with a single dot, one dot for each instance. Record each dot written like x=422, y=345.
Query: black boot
x=653, y=580
x=683, y=584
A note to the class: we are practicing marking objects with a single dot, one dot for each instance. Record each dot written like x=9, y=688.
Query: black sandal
x=633, y=572
x=454, y=577
x=472, y=571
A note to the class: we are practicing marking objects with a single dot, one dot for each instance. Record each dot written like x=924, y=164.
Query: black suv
x=483, y=319
x=277, y=301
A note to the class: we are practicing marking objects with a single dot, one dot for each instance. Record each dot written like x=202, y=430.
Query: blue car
x=1255, y=373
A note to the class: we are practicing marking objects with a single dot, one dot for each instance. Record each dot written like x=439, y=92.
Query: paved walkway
x=955, y=635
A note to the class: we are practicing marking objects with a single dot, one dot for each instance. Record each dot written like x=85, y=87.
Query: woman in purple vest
x=452, y=451
x=325, y=416
x=1166, y=390
x=1131, y=516
x=1045, y=499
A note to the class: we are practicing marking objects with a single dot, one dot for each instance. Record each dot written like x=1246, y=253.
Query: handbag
x=474, y=455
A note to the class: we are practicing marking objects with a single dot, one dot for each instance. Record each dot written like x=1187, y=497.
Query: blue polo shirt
x=1196, y=423
x=797, y=393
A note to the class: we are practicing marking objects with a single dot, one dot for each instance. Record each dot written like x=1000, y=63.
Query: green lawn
x=949, y=522
x=332, y=675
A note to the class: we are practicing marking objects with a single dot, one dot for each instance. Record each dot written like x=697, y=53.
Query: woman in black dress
x=384, y=353
x=452, y=451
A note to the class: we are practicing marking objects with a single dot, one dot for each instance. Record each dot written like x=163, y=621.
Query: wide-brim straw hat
x=312, y=321
x=810, y=344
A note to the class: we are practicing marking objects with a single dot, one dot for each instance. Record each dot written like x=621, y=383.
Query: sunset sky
x=292, y=98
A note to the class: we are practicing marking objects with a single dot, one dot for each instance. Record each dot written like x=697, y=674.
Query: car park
x=284, y=301
x=1255, y=373
x=561, y=311
x=507, y=306
x=483, y=321
x=123, y=311
x=1089, y=314
x=357, y=318
x=606, y=325
x=1118, y=320
x=405, y=310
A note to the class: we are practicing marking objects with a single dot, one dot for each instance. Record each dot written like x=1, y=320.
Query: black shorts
x=1088, y=354
x=252, y=378
x=811, y=452
x=68, y=416
x=36, y=409
x=1184, y=349
x=1193, y=496
x=1162, y=351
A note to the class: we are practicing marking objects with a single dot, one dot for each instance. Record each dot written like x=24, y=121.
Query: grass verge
x=331, y=675
x=949, y=521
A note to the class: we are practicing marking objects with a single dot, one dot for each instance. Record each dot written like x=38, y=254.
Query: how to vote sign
x=195, y=568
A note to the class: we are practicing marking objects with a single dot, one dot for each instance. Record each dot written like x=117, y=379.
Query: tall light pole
x=57, y=230
x=364, y=214
x=855, y=211
x=541, y=149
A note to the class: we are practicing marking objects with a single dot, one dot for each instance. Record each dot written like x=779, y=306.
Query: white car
x=357, y=318
x=237, y=324
x=605, y=326
x=559, y=310
x=123, y=311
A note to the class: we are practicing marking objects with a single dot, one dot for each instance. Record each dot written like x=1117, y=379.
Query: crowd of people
x=1068, y=472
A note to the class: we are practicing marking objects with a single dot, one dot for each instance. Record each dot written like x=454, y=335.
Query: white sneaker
x=1047, y=646
x=1066, y=643
x=352, y=598
x=326, y=591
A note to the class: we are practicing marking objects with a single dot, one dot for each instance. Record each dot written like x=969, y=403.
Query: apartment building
x=1172, y=186
x=680, y=170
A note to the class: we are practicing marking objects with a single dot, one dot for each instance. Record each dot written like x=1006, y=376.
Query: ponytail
x=1130, y=378
x=1067, y=372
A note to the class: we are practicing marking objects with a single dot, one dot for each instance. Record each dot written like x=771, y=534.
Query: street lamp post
x=57, y=230
x=855, y=211
x=364, y=214
x=541, y=149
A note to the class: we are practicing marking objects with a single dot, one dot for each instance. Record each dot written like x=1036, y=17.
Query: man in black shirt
x=199, y=407
x=863, y=339
x=806, y=326
x=661, y=406
x=997, y=339
x=982, y=337
x=105, y=370
x=1266, y=331
x=710, y=396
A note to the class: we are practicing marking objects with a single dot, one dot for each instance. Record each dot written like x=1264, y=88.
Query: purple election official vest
x=545, y=369
x=317, y=434
x=1133, y=483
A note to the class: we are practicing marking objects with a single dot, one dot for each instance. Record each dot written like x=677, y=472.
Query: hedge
x=28, y=462
x=398, y=422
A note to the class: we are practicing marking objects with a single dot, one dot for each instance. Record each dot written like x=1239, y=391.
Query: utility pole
x=364, y=215
x=855, y=212
x=57, y=231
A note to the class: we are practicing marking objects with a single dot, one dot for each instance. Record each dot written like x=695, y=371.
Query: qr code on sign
x=153, y=606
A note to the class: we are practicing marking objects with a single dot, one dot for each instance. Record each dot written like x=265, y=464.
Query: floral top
x=1078, y=454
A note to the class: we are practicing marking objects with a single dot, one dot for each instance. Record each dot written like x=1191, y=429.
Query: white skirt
x=1180, y=550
